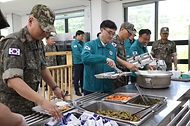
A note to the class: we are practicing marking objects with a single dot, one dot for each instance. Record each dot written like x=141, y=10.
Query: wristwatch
x=53, y=88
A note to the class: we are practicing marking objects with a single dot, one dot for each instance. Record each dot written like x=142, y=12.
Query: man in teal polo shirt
x=139, y=47
x=99, y=56
x=77, y=46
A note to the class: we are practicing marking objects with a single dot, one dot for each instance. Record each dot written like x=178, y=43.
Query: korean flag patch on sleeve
x=114, y=44
x=87, y=47
x=14, y=51
x=135, y=53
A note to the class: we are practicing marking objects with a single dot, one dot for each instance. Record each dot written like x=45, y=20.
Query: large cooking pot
x=153, y=79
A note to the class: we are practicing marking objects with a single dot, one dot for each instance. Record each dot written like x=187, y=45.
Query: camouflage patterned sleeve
x=13, y=60
x=174, y=50
x=152, y=49
x=120, y=49
x=44, y=63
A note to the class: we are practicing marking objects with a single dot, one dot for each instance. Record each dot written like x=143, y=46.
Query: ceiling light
x=3, y=1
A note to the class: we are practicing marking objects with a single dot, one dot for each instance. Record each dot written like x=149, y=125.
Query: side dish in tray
x=119, y=97
x=119, y=115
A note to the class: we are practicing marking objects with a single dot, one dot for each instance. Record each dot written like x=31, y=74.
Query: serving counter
x=177, y=94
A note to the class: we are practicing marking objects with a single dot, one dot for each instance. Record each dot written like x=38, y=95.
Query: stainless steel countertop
x=176, y=91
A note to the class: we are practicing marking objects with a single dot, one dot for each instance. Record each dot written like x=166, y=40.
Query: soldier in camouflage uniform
x=5, y=113
x=22, y=64
x=165, y=49
x=50, y=47
x=126, y=30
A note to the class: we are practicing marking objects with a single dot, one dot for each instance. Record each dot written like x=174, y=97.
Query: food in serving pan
x=61, y=103
x=153, y=101
x=119, y=97
x=64, y=108
x=119, y=115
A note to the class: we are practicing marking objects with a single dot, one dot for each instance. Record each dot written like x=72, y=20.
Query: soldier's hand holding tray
x=51, y=108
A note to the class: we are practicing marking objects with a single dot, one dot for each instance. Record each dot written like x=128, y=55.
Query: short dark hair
x=144, y=31
x=108, y=24
x=79, y=32
x=1, y=36
x=48, y=36
x=98, y=34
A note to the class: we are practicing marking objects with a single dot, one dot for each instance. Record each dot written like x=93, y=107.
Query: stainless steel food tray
x=112, y=75
x=141, y=60
x=137, y=99
x=120, y=93
x=39, y=109
x=94, y=106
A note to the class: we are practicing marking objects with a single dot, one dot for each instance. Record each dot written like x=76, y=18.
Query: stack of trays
x=112, y=75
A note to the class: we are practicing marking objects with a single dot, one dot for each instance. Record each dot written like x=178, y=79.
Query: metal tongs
x=146, y=101
x=118, y=70
x=143, y=96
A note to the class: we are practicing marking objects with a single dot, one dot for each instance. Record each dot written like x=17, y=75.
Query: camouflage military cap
x=45, y=17
x=164, y=30
x=129, y=27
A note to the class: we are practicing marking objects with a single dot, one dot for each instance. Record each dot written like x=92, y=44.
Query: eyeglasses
x=129, y=32
x=110, y=32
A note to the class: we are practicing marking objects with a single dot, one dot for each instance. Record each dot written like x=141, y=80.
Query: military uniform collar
x=160, y=41
x=50, y=45
x=117, y=38
x=26, y=37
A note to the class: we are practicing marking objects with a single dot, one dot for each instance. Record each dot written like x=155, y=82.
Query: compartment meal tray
x=112, y=75
x=118, y=96
x=137, y=99
x=94, y=106
x=41, y=110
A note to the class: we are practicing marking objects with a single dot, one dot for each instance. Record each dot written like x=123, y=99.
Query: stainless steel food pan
x=120, y=93
x=94, y=106
x=136, y=101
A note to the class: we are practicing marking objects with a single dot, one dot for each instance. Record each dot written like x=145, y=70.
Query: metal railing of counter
x=91, y=97
x=183, y=116
x=62, y=74
x=35, y=118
